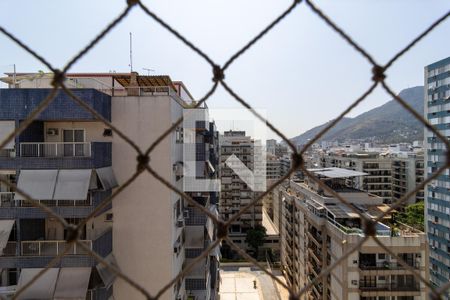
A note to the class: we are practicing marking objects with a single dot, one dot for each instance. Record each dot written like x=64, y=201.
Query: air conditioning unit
x=52, y=131
x=180, y=223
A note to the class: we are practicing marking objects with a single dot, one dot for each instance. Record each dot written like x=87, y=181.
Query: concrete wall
x=144, y=247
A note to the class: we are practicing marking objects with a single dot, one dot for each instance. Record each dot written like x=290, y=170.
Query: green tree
x=255, y=238
x=413, y=215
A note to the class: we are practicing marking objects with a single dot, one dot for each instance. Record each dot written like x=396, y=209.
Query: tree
x=413, y=215
x=255, y=237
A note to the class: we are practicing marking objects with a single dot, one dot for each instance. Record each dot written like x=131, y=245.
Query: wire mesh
x=218, y=72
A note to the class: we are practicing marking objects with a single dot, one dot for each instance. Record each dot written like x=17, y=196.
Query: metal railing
x=7, y=200
x=59, y=149
x=379, y=73
x=413, y=287
x=54, y=203
x=54, y=248
x=387, y=265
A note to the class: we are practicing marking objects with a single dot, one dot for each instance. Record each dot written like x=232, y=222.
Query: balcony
x=55, y=149
x=44, y=248
x=59, y=156
x=413, y=287
x=38, y=253
x=52, y=248
x=387, y=265
x=66, y=208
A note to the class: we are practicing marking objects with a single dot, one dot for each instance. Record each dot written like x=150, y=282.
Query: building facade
x=407, y=173
x=437, y=193
x=317, y=229
x=235, y=193
x=378, y=168
x=148, y=231
x=63, y=159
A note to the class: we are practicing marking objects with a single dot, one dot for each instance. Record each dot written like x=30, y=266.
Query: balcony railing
x=61, y=149
x=7, y=200
x=387, y=265
x=52, y=248
x=414, y=286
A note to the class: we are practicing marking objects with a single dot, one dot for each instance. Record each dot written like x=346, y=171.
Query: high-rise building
x=407, y=174
x=437, y=193
x=235, y=193
x=317, y=230
x=69, y=160
x=271, y=146
x=378, y=168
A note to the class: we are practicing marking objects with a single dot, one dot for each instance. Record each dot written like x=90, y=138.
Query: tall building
x=407, y=174
x=437, y=193
x=378, y=168
x=235, y=193
x=317, y=229
x=66, y=159
x=273, y=167
x=271, y=146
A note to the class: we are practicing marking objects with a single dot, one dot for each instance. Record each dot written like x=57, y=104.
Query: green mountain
x=388, y=123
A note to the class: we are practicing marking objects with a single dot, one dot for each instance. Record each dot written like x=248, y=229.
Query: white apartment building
x=407, y=173
x=378, y=168
x=235, y=193
x=317, y=229
x=155, y=234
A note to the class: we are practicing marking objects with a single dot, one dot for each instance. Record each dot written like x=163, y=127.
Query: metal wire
x=219, y=77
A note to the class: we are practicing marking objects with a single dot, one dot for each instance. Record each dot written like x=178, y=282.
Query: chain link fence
x=218, y=72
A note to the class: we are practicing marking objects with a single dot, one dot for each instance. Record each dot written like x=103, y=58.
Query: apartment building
x=317, y=229
x=437, y=193
x=271, y=146
x=148, y=232
x=64, y=160
x=235, y=193
x=273, y=167
x=407, y=173
x=377, y=166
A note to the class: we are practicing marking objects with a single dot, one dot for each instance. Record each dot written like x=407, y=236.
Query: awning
x=42, y=288
x=72, y=283
x=39, y=184
x=5, y=230
x=6, y=128
x=72, y=184
x=105, y=273
x=336, y=173
x=107, y=178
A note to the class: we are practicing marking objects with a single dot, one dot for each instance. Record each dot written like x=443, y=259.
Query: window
x=179, y=135
x=74, y=142
x=177, y=210
x=109, y=217
x=381, y=256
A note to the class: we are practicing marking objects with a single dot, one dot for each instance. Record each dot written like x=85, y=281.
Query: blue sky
x=301, y=73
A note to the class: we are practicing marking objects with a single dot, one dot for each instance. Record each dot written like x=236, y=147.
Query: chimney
x=133, y=88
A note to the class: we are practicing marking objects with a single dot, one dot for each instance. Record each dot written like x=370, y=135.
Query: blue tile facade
x=437, y=196
x=17, y=104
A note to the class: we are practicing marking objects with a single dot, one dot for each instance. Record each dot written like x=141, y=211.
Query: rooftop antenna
x=14, y=76
x=148, y=70
x=131, y=52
